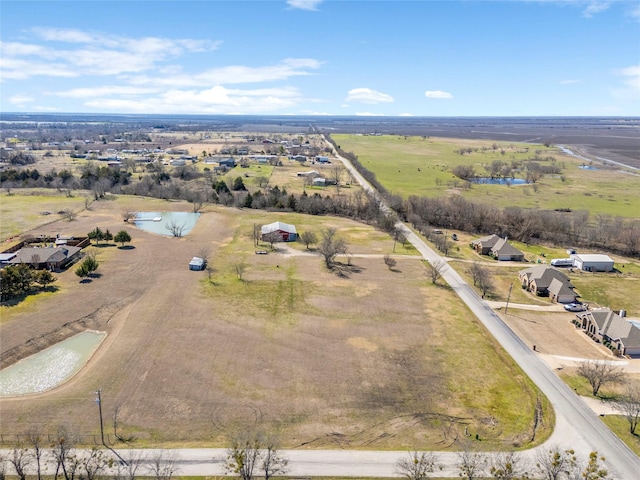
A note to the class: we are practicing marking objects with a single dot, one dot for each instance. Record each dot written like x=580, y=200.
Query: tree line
x=253, y=455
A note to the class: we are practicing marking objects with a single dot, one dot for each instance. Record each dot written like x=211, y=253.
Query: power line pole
x=508, y=297
x=99, y=402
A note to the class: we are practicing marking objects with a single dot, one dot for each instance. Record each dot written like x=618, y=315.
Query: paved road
x=577, y=426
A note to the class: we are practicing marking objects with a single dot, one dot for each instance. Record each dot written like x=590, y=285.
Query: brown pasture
x=362, y=360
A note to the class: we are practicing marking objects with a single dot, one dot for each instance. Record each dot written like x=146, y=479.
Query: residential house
x=484, y=245
x=503, y=250
x=52, y=258
x=285, y=232
x=604, y=325
x=227, y=162
x=547, y=281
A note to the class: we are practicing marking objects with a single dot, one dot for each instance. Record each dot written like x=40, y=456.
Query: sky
x=315, y=57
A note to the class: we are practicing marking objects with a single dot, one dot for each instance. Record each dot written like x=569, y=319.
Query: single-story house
x=593, y=262
x=319, y=182
x=605, y=326
x=227, y=162
x=52, y=258
x=197, y=263
x=484, y=245
x=547, y=281
x=310, y=173
x=285, y=232
x=503, y=250
x=322, y=160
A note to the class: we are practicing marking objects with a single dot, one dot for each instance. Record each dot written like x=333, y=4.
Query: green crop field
x=422, y=166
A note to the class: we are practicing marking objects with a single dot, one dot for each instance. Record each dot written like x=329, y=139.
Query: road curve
x=577, y=426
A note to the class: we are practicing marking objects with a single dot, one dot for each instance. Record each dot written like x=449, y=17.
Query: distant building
x=593, y=262
x=285, y=231
x=498, y=248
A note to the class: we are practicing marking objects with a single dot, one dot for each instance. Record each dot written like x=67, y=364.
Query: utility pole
x=99, y=402
x=508, y=297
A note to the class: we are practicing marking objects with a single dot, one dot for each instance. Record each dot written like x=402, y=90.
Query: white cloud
x=596, y=6
x=635, y=13
x=569, y=82
x=438, y=94
x=91, y=53
x=630, y=89
x=406, y=115
x=20, y=99
x=366, y=95
x=304, y=4
x=92, y=92
x=215, y=100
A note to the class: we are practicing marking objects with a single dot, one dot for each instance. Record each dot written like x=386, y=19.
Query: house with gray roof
x=606, y=326
x=484, y=245
x=503, y=250
x=548, y=281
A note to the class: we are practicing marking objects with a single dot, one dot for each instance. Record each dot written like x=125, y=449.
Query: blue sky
x=312, y=57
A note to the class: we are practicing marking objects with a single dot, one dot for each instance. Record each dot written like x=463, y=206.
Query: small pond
x=161, y=222
x=498, y=181
x=588, y=167
x=50, y=367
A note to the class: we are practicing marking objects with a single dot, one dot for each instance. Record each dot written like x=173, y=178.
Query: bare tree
x=272, y=461
x=557, y=464
x=133, y=462
x=331, y=246
x=271, y=238
x=507, y=466
x=240, y=268
x=435, y=269
x=95, y=463
x=128, y=215
x=477, y=272
x=36, y=444
x=162, y=465
x=63, y=454
x=20, y=459
x=417, y=465
x=471, y=465
x=599, y=373
x=175, y=229
x=308, y=237
x=629, y=404
x=389, y=261
x=3, y=466
x=68, y=214
x=257, y=234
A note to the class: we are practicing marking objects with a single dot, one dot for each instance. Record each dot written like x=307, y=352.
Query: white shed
x=593, y=262
x=197, y=263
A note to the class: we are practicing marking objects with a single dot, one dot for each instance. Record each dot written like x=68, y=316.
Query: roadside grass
x=422, y=166
x=620, y=426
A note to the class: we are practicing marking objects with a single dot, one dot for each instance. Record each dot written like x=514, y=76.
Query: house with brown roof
x=604, y=325
x=548, y=281
x=52, y=258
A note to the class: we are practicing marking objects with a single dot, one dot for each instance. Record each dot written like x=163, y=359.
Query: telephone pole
x=99, y=402
x=506, y=306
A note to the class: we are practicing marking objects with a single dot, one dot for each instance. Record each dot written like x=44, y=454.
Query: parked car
x=575, y=307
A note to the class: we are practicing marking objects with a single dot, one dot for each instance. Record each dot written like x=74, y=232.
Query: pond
x=50, y=367
x=588, y=167
x=162, y=222
x=498, y=181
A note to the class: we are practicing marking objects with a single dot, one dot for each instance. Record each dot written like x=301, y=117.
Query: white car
x=575, y=307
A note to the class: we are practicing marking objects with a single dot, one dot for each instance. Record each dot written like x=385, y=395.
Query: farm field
x=320, y=359
x=422, y=166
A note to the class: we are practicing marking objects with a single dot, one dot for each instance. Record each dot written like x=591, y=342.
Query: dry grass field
x=376, y=358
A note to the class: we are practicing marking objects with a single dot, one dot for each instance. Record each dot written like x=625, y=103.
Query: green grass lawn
x=422, y=166
x=620, y=426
